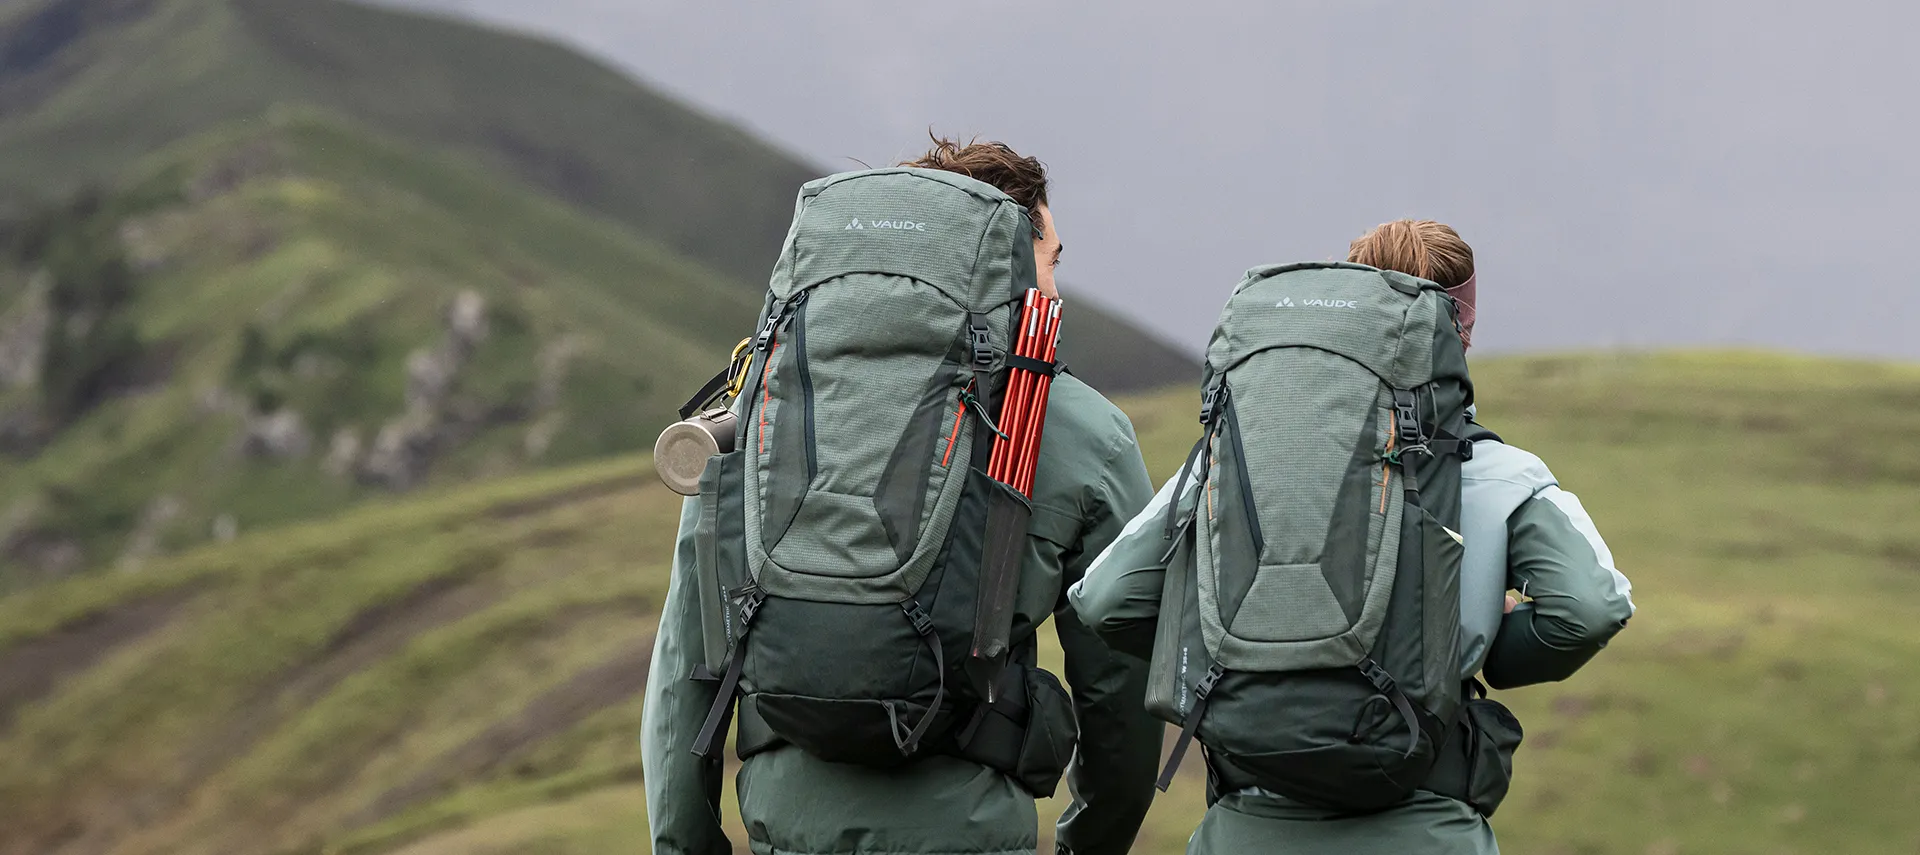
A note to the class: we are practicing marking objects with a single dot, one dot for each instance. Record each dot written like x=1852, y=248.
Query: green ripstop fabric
x=1324, y=590
x=890, y=221
x=859, y=430
x=1352, y=314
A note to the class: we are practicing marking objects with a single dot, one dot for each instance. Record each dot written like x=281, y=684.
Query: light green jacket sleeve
x=683, y=791
x=1113, y=768
x=1578, y=599
x=1119, y=597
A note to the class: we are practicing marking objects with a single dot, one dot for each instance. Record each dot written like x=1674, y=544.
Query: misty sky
x=1629, y=173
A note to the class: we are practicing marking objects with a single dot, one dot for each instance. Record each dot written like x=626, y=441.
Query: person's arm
x=1113, y=766
x=1119, y=597
x=1576, y=600
x=683, y=791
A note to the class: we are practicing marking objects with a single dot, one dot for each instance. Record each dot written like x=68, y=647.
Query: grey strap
x=1383, y=681
x=703, y=744
x=924, y=625
x=1190, y=727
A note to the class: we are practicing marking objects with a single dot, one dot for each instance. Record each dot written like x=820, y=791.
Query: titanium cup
x=681, y=452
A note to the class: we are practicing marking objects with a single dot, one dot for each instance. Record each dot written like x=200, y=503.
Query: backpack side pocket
x=1496, y=735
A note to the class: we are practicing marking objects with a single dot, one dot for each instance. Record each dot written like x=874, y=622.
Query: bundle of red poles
x=1024, y=414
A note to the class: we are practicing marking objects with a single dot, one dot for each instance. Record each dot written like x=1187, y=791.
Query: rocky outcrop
x=279, y=435
x=403, y=449
x=24, y=328
x=144, y=542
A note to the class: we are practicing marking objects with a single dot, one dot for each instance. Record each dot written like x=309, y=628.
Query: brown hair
x=1432, y=251
x=996, y=163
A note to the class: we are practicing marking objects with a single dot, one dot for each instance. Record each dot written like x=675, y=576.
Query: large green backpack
x=857, y=566
x=1309, y=632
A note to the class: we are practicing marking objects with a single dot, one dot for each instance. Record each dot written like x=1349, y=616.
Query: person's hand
x=1511, y=602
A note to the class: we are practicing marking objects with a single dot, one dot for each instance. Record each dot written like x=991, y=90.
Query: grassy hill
x=323, y=314
x=266, y=257
x=460, y=672
x=88, y=85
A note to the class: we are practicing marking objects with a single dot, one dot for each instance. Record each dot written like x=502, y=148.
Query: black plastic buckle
x=981, y=337
x=1210, y=402
x=751, y=597
x=1208, y=682
x=922, y=623
x=1378, y=676
x=1408, y=415
x=765, y=335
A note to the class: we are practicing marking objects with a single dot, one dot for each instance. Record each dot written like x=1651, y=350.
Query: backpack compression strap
x=922, y=624
x=1212, y=402
x=1190, y=726
x=703, y=744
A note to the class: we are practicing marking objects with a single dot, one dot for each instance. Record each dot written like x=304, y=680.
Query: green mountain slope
x=87, y=85
x=296, y=222
x=323, y=314
x=460, y=672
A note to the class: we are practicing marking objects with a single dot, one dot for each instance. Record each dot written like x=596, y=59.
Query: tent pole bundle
x=1024, y=414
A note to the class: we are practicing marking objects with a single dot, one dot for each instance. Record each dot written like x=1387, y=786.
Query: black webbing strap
x=1444, y=442
x=980, y=341
x=1211, y=403
x=703, y=744
x=1028, y=363
x=1191, y=726
x=756, y=365
x=1180, y=486
x=1383, y=681
x=706, y=393
x=922, y=624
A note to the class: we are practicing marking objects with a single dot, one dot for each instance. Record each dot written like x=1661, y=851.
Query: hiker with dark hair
x=889, y=698
x=1322, y=586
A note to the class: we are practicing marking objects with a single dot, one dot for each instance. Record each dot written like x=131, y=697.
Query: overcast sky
x=1639, y=173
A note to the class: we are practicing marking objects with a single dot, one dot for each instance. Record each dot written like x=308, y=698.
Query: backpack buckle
x=922, y=623
x=1378, y=676
x=1210, y=402
x=765, y=336
x=980, y=336
x=1208, y=682
x=1408, y=415
x=750, y=597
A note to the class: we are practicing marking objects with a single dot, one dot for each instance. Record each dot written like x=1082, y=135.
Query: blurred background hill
x=266, y=257
x=331, y=342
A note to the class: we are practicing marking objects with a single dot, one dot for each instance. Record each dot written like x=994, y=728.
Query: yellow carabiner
x=742, y=363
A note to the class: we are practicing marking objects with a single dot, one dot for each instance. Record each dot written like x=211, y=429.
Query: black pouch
x=1496, y=736
x=1027, y=733
x=1052, y=732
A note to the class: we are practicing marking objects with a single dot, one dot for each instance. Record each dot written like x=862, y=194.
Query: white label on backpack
x=1317, y=303
x=858, y=225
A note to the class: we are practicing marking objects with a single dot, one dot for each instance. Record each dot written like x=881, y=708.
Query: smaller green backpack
x=1309, y=632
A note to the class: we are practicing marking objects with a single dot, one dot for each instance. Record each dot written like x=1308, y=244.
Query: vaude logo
x=1287, y=303
x=857, y=225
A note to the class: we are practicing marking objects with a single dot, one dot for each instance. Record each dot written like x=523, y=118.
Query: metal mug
x=680, y=454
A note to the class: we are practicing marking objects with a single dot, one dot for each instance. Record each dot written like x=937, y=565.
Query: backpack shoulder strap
x=1477, y=432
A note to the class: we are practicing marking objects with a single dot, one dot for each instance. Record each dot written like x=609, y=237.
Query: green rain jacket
x=1089, y=483
x=1522, y=533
